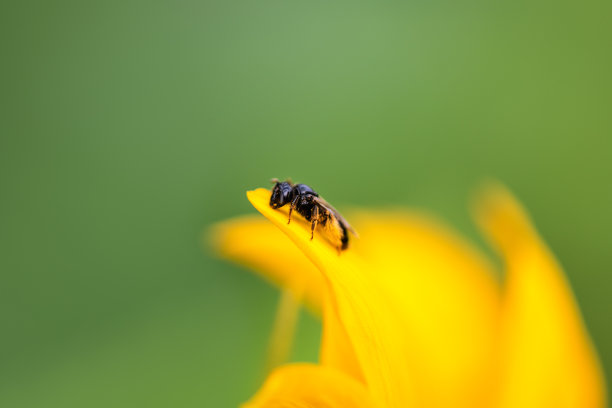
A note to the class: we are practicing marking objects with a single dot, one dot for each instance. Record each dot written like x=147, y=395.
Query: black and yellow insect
x=307, y=202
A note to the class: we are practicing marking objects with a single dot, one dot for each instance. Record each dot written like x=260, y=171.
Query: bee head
x=281, y=194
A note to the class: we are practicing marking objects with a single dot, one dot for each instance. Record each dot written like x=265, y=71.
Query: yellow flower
x=414, y=317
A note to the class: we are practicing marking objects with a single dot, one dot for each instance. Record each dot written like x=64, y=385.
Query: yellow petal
x=441, y=286
x=370, y=318
x=447, y=291
x=310, y=386
x=547, y=357
x=257, y=244
x=285, y=323
x=336, y=347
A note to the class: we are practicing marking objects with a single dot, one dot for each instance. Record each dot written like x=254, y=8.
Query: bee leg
x=293, y=204
x=315, y=219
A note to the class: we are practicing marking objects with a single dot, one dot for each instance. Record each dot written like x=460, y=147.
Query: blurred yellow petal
x=285, y=323
x=310, y=386
x=256, y=243
x=370, y=318
x=547, y=357
x=336, y=348
x=447, y=291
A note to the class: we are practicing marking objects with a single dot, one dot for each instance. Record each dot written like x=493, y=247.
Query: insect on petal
x=371, y=319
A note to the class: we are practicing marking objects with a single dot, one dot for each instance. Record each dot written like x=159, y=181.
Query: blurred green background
x=127, y=127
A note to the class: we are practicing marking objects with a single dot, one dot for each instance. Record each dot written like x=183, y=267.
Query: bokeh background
x=128, y=127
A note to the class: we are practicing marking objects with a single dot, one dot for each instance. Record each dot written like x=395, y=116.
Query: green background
x=128, y=127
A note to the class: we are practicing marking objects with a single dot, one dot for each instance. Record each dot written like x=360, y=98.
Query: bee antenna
x=275, y=180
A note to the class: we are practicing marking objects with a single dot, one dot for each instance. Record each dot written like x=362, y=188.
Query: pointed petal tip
x=547, y=355
x=501, y=216
x=219, y=237
x=213, y=238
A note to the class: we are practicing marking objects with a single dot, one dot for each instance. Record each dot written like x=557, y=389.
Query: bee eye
x=281, y=195
x=276, y=197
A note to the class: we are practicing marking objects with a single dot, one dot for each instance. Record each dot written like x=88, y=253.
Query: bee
x=307, y=202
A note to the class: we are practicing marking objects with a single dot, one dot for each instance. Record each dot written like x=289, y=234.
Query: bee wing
x=336, y=214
